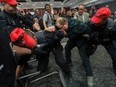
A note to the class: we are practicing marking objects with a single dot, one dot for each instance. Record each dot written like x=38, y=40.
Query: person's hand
x=114, y=20
x=38, y=50
x=51, y=29
x=86, y=36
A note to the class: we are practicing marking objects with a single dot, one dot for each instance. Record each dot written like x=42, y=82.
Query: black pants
x=83, y=54
x=111, y=49
x=44, y=59
x=68, y=47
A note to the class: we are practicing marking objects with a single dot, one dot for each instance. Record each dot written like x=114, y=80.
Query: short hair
x=47, y=5
x=81, y=6
x=61, y=20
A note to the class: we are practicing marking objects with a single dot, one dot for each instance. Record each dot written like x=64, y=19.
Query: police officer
x=53, y=40
x=76, y=32
x=104, y=32
x=7, y=61
x=9, y=20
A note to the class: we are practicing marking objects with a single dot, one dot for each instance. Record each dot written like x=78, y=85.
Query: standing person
x=103, y=32
x=56, y=47
x=10, y=20
x=114, y=17
x=81, y=14
x=55, y=16
x=69, y=15
x=7, y=61
x=92, y=11
x=75, y=29
x=47, y=17
x=73, y=11
x=36, y=13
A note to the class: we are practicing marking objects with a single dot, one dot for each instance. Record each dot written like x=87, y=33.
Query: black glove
x=42, y=46
x=38, y=50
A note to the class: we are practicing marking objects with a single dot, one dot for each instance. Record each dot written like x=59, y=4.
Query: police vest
x=8, y=23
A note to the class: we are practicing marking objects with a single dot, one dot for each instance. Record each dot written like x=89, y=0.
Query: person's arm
x=45, y=19
x=65, y=33
x=51, y=29
x=115, y=20
x=45, y=26
x=75, y=16
x=29, y=23
x=37, y=50
x=21, y=50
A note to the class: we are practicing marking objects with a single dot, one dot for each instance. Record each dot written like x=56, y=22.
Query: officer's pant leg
x=43, y=61
x=111, y=49
x=60, y=58
x=68, y=47
x=85, y=58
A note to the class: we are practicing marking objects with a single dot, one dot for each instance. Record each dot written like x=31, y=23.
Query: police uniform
x=53, y=40
x=7, y=61
x=11, y=21
x=105, y=33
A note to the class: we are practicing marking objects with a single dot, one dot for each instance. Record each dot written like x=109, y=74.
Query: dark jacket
x=75, y=31
x=104, y=31
x=8, y=22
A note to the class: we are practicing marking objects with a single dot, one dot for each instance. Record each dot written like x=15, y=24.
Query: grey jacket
x=83, y=18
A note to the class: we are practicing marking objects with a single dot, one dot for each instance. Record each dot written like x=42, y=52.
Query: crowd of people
x=25, y=35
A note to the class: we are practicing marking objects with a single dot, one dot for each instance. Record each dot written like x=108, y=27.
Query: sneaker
x=90, y=81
